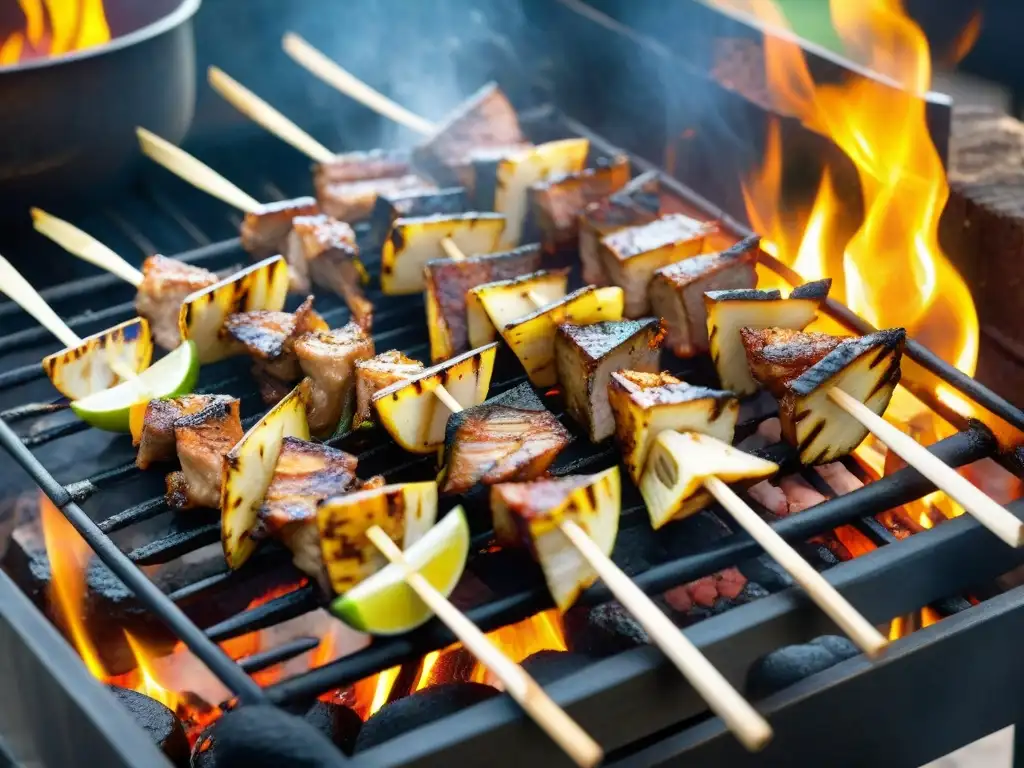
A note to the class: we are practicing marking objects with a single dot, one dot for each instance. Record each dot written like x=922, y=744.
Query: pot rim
x=185, y=10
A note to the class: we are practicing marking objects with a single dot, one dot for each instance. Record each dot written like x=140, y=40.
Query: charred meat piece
x=165, y=284
x=203, y=439
x=677, y=292
x=379, y=372
x=485, y=119
x=635, y=204
x=632, y=255
x=265, y=232
x=326, y=250
x=866, y=368
x=448, y=282
x=328, y=359
x=587, y=355
x=646, y=404
x=269, y=337
x=412, y=203
x=360, y=166
x=156, y=441
x=306, y=474
x=729, y=311
x=558, y=201
x=778, y=355
x=354, y=200
x=493, y=443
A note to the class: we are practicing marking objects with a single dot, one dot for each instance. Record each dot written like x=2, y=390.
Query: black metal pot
x=67, y=123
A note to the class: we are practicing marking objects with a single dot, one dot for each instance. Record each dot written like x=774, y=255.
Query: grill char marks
x=375, y=374
x=165, y=284
x=156, y=442
x=203, y=438
x=778, y=355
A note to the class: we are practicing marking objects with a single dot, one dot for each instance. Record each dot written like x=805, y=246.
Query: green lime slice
x=176, y=374
x=384, y=604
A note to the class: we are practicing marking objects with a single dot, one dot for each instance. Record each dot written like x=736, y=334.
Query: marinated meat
x=635, y=204
x=354, y=200
x=328, y=359
x=265, y=232
x=361, y=166
x=202, y=440
x=165, y=284
x=156, y=442
x=378, y=372
x=778, y=355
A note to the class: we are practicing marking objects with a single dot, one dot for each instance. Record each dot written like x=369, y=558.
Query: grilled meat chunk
x=265, y=232
x=360, y=166
x=728, y=311
x=866, y=368
x=494, y=443
x=632, y=255
x=778, y=355
x=305, y=475
x=558, y=201
x=448, y=283
x=634, y=205
x=375, y=374
x=587, y=355
x=413, y=203
x=324, y=249
x=645, y=404
x=203, y=439
x=165, y=284
x=269, y=338
x=677, y=292
x=156, y=440
x=530, y=513
x=328, y=359
x=354, y=200
x=485, y=119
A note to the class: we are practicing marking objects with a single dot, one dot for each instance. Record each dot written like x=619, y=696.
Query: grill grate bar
x=147, y=510
x=187, y=535
x=295, y=603
x=260, y=661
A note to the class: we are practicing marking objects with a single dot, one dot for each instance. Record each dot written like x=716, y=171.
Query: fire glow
x=55, y=27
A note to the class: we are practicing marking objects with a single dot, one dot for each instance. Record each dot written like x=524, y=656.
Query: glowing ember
x=55, y=27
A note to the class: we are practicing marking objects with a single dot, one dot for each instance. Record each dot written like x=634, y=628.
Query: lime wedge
x=176, y=374
x=384, y=604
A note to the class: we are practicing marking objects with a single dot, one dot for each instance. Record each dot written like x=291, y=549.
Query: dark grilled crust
x=265, y=231
x=157, y=439
x=778, y=355
x=743, y=294
x=451, y=280
x=558, y=201
x=817, y=289
x=672, y=394
x=262, y=332
x=595, y=341
x=882, y=343
x=359, y=166
x=210, y=432
x=687, y=271
x=534, y=500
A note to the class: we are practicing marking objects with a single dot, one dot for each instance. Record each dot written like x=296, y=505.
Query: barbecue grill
x=903, y=710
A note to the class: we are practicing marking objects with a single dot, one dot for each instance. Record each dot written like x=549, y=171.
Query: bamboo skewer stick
x=451, y=249
x=84, y=246
x=255, y=108
x=838, y=608
x=446, y=397
x=188, y=168
x=976, y=502
x=562, y=729
x=334, y=75
x=20, y=291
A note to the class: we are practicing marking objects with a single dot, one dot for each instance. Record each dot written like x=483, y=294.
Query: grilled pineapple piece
x=531, y=513
x=404, y=511
x=449, y=281
x=85, y=369
x=411, y=243
x=635, y=204
x=866, y=368
x=414, y=203
x=378, y=372
x=678, y=464
x=777, y=355
x=632, y=255
x=516, y=174
x=413, y=415
x=645, y=405
x=248, y=470
x=728, y=311
x=587, y=355
x=532, y=338
x=496, y=304
x=264, y=285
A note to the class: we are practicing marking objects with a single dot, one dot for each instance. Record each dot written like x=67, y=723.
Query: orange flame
x=148, y=683
x=55, y=27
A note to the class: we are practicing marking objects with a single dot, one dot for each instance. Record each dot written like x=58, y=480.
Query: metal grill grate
x=207, y=228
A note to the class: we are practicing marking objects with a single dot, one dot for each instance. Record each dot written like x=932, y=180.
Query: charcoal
x=602, y=630
x=159, y=723
x=951, y=605
x=692, y=534
x=337, y=722
x=786, y=666
x=711, y=596
x=765, y=571
x=547, y=666
x=262, y=736
x=637, y=549
x=420, y=708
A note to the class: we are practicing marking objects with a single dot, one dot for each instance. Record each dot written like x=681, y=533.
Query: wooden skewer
x=183, y=165
x=84, y=246
x=976, y=502
x=252, y=106
x=19, y=290
x=334, y=75
x=562, y=729
x=859, y=629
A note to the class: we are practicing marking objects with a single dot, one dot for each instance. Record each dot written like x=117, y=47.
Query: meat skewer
x=583, y=750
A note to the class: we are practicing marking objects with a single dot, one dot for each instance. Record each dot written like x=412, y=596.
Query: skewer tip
x=37, y=214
